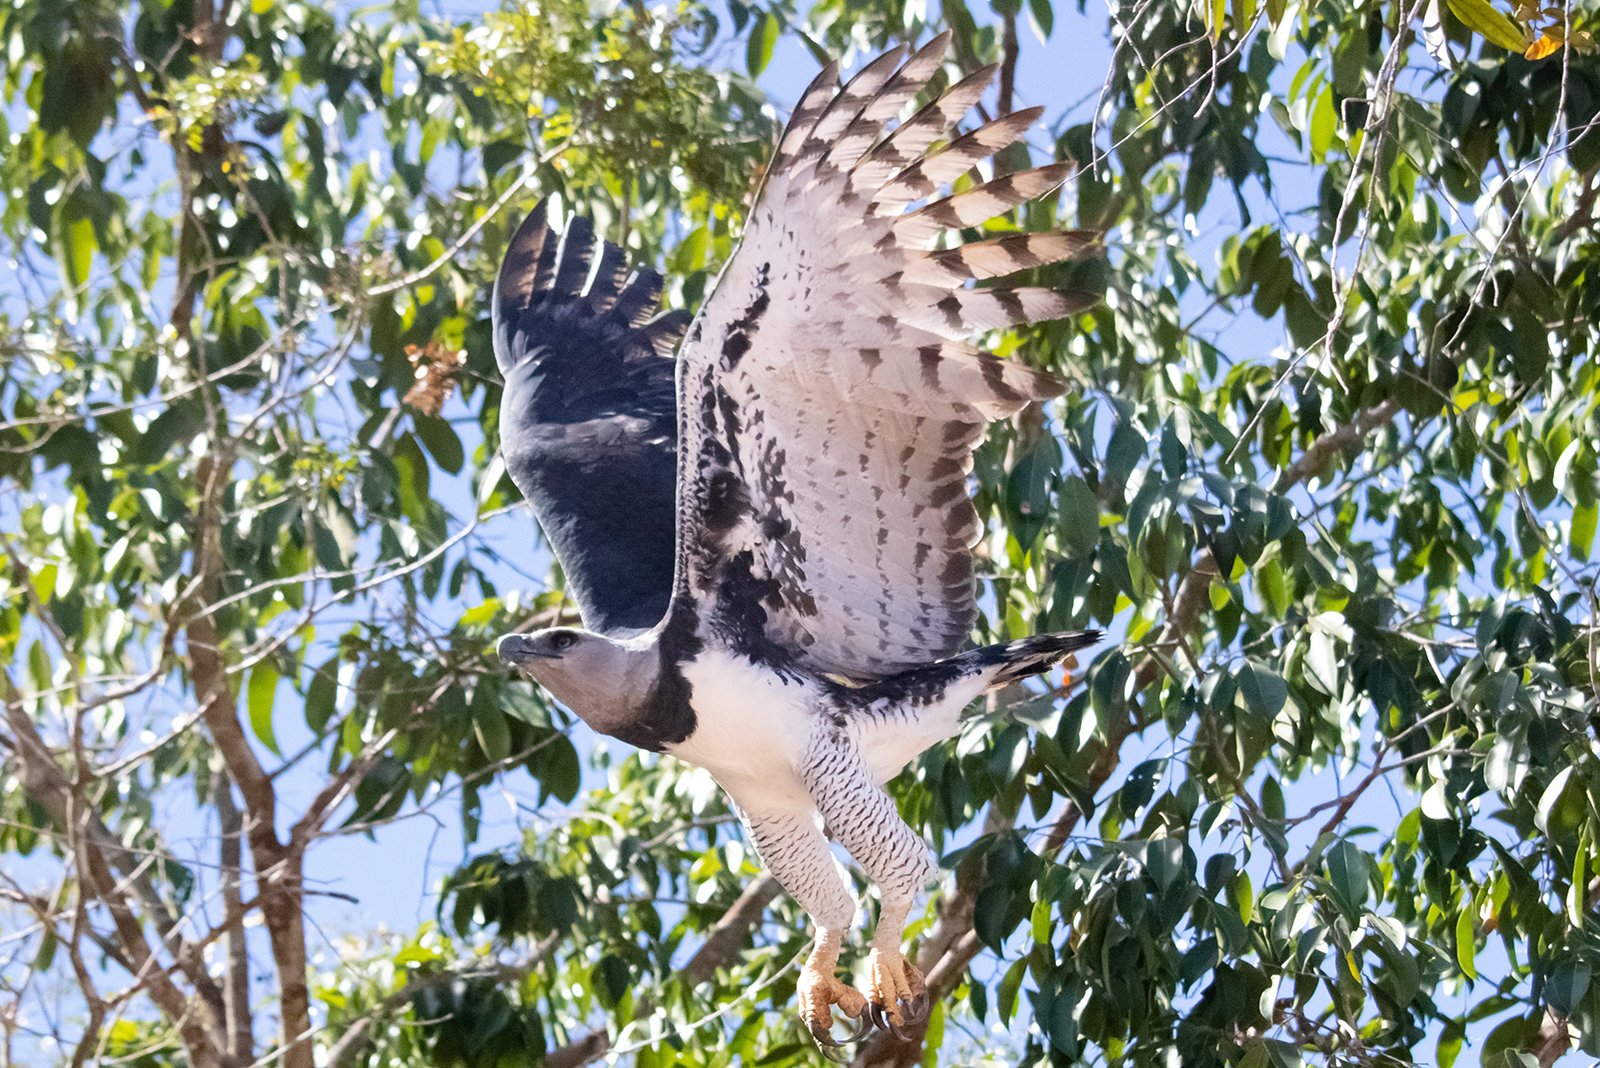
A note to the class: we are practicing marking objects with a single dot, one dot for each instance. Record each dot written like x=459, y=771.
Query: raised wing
x=829, y=392
x=588, y=423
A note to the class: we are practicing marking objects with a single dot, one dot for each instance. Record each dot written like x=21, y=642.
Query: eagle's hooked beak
x=514, y=650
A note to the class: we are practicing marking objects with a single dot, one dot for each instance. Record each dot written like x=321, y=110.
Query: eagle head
x=602, y=680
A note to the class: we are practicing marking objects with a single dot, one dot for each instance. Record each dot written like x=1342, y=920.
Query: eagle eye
x=563, y=640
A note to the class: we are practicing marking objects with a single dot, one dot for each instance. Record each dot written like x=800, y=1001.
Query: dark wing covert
x=588, y=423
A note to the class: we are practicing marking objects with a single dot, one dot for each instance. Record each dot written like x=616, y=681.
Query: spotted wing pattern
x=830, y=395
x=588, y=422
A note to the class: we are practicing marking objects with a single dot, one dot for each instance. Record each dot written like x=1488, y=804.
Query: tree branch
x=278, y=869
x=236, y=988
x=1008, y=63
x=721, y=947
x=98, y=852
x=1317, y=454
x=720, y=950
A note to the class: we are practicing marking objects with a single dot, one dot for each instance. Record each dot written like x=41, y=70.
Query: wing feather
x=588, y=421
x=911, y=139
x=830, y=395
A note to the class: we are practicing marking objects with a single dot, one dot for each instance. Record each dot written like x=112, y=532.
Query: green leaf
x=80, y=241
x=489, y=726
x=1568, y=982
x=1079, y=517
x=1009, y=985
x=1551, y=796
x=1324, y=124
x=1506, y=1037
x=559, y=772
x=1466, y=942
x=1581, y=539
x=1028, y=490
x=47, y=949
x=322, y=695
x=263, y=688
x=1044, y=17
x=1274, y=588
x=1272, y=798
x=1040, y=922
x=763, y=39
x=440, y=440
x=1451, y=1038
x=1264, y=691
x=1350, y=873
x=1482, y=16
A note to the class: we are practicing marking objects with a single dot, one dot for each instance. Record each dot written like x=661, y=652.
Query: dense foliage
x=1334, y=794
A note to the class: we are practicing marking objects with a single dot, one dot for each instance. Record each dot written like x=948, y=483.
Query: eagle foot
x=819, y=991
x=897, y=996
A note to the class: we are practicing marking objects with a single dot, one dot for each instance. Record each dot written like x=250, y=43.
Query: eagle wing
x=588, y=422
x=829, y=395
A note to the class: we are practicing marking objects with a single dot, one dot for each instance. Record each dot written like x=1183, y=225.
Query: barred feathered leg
x=866, y=822
x=792, y=847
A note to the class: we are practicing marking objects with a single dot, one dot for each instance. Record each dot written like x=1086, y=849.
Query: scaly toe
x=818, y=994
x=897, y=995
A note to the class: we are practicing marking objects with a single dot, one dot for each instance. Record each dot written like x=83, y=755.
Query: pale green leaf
x=262, y=690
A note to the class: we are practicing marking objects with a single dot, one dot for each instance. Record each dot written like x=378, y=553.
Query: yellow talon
x=898, y=995
x=820, y=990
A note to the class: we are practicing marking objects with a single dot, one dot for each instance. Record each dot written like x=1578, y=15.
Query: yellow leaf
x=1544, y=46
x=1484, y=17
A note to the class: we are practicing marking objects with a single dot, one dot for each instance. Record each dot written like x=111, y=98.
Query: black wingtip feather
x=588, y=417
x=666, y=330
x=638, y=299
x=572, y=265
x=608, y=275
x=1040, y=653
x=514, y=282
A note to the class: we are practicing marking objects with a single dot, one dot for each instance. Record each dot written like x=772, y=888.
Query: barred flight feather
x=928, y=175
x=864, y=130
x=829, y=395
x=911, y=139
x=981, y=203
x=813, y=102
x=998, y=257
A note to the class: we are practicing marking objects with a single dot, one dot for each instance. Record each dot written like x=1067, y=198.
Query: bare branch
x=721, y=947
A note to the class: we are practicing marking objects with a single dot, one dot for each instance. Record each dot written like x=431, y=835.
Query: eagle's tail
x=1031, y=656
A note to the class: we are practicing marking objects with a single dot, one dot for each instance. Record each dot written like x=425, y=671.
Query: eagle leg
x=820, y=990
x=791, y=845
x=896, y=994
x=865, y=820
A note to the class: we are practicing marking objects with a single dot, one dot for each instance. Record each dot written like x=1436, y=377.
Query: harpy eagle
x=770, y=538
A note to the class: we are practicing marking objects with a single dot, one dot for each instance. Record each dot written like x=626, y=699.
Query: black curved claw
x=830, y=1046
x=831, y=1050
x=913, y=1014
x=879, y=1014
